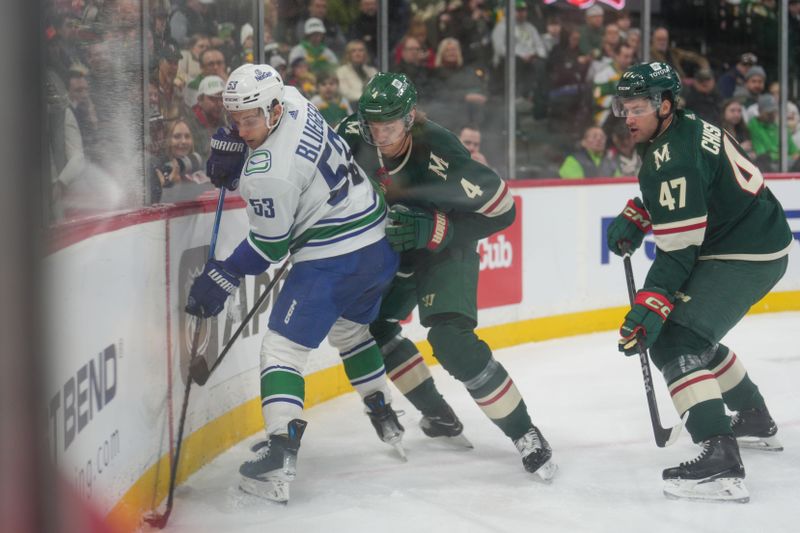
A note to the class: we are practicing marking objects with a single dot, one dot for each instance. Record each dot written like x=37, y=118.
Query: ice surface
x=588, y=400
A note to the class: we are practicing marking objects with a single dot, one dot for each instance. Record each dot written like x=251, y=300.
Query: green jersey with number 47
x=438, y=173
x=706, y=200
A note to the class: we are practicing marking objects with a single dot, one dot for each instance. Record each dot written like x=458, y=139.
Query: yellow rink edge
x=202, y=446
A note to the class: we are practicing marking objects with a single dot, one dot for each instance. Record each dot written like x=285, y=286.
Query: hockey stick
x=198, y=370
x=160, y=520
x=664, y=437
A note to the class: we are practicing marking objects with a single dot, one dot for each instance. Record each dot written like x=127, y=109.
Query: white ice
x=588, y=400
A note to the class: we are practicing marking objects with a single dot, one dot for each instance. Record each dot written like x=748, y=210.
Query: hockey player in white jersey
x=305, y=198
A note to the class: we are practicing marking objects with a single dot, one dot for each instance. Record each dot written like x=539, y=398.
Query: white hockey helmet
x=253, y=87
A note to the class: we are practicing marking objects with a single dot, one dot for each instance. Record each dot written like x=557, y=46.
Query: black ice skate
x=536, y=454
x=445, y=424
x=717, y=474
x=268, y=476
x=384, y=419
x=755, y=428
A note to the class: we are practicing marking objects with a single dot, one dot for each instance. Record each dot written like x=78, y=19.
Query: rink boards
x=118, y=347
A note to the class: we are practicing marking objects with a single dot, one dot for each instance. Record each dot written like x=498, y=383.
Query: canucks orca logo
x=261, y=75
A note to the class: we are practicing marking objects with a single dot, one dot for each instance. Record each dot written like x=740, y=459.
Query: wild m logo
x=438, y=166
x=661, y=156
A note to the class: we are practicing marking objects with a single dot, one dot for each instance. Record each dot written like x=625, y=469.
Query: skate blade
x=546, y=472
x=724, y=489
x=766, y=444
x=401, y=452
x=459, y=441
x=274, y=490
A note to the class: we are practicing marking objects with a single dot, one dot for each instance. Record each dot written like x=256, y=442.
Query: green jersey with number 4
x=438, y=173
x=706, y=200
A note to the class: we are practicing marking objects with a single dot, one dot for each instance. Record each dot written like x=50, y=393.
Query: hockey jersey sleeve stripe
x=678, y=241
x=322, y=236
x=679, y=229
x=681, y=225
x=351, y=217
x=266, y=238
x=500, y=203
x=271, y=251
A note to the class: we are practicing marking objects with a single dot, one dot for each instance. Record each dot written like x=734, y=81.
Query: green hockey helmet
x=654, y=82
x=388, y=96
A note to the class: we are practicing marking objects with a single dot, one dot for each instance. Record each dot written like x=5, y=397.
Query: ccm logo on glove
x=655, y=302
x=637, y=215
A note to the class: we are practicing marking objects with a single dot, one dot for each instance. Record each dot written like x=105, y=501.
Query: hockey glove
x=629, y=227
x=210, y=290
x=228, y=154
x=411, y=228
x=651, y=307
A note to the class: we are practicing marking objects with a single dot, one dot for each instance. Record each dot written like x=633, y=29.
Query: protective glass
x=635, y=107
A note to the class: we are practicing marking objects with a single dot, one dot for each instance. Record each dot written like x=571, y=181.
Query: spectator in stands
x=470, y=137
x=733, y=123
x=82, y=106
x=606, y=79
x=181, y=174
x=634, y=40
x=159, y=27
x=678, y=58
x=190, y=18
x=591, y=40
x=212, y=63
x=553, y=35
x=703, y=98
x=623, y=151
x=764, y=134
x=365, y=27
x=591, y=159
x=460, y=92
x=189, y=65
x=319, y=57
x=611, y=41
x=734, y=78
x=753, y=87
x=329, y=101
x=355, y=72
x=334, y=38
x=209, y=113
x=791, y=109
x=418, y=29
x=412, y=65
x=475, y=32
x=624, y=24
x=567, y=67
x=301, y=77
x=278, y=63
x=530, y=55
x=170, y=97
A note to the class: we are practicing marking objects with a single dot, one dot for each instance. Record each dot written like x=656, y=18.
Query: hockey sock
x=738, y=390
x=282, y=396
x=363, y=365
x=708, y=419
x=408, y=371
x=698, y=393
x=468, y=359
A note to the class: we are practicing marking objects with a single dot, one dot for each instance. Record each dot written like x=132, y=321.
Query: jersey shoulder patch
x=260, y=161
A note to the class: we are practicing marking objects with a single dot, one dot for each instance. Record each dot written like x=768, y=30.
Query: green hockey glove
x=630, y=227
x=411, y=228
x=649, y=312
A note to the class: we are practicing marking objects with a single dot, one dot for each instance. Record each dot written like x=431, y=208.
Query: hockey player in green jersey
x=722, y=243
x=442, y=202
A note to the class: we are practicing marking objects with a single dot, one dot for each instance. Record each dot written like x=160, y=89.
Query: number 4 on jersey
x=472, y=190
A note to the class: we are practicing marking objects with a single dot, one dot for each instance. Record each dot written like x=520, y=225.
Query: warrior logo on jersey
x=661, y=156
x=438, y=166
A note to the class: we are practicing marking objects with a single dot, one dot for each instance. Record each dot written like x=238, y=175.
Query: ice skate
x=717, y=474
x=445, y=425
x=536, y=454
x=384, y=419
x=755, y=429
x=268, y=476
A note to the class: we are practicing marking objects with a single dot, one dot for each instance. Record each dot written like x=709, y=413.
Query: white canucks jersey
x=304, y=192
